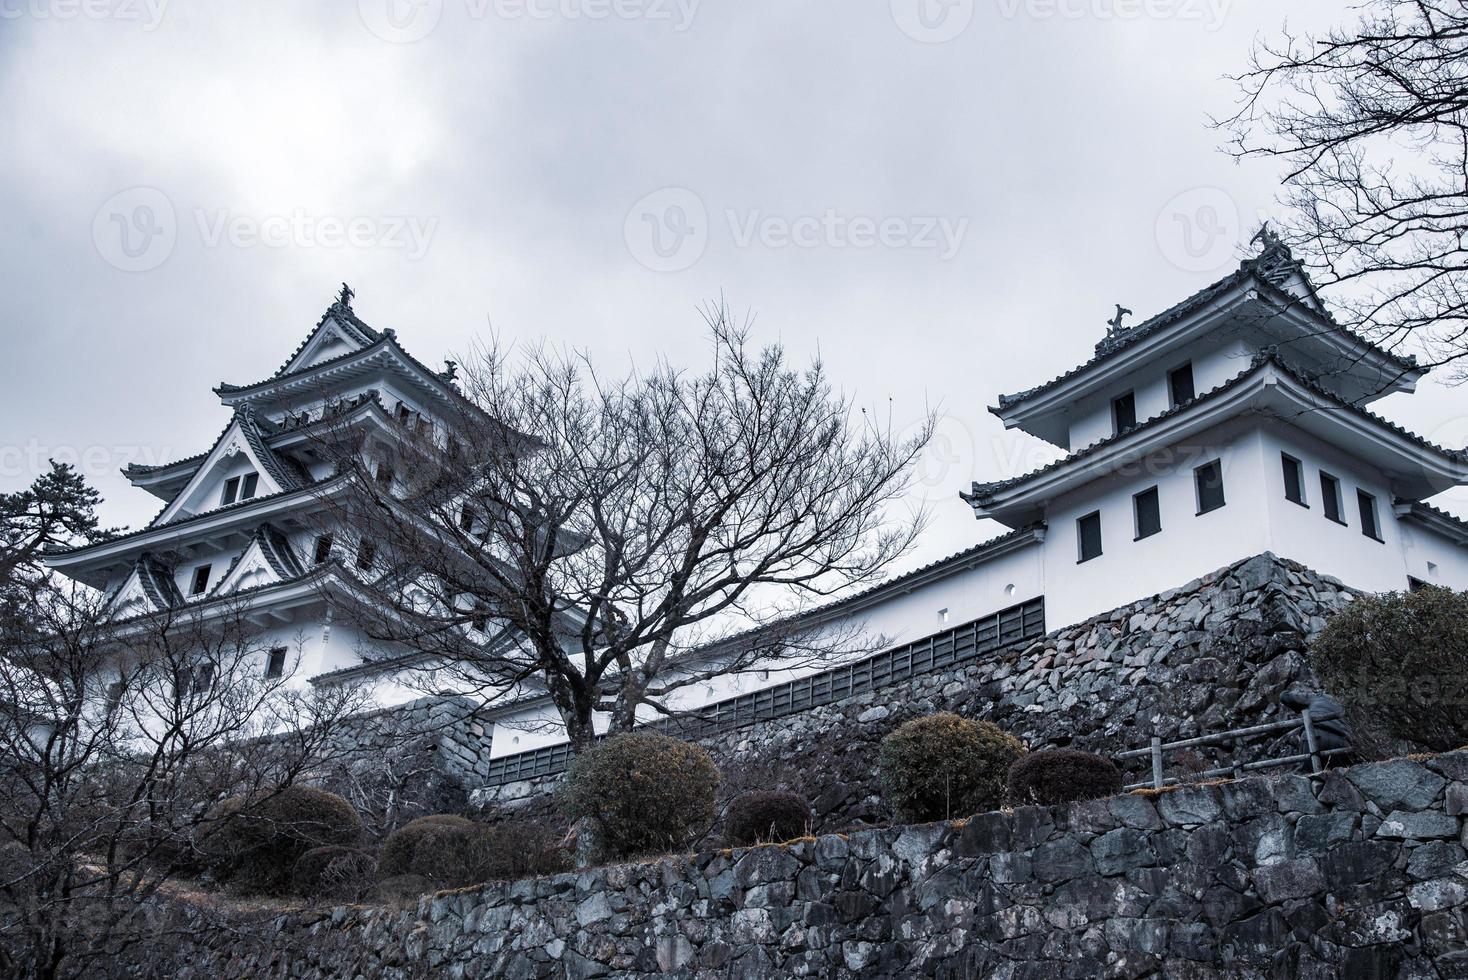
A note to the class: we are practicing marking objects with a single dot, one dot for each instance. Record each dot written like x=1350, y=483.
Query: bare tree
x=1371, y=123
x=116, y=736
x=612, y=541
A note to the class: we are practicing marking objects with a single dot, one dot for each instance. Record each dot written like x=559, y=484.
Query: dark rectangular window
x=249, y=485
x=1148, y=513
x=466, y=519
x=1088, y=537
x=231, y=491
x=1369, y=526
x=479, y=620
x=1180, y=385
x=384, y=473
x=404, y=412
x=366, y=555
x=1415, y=584
x=1330, y=497
x=1294, y=479
x=1124, y=412
x=201, y=580
x=1208, y=479
x=275, y=666
x=323, y=548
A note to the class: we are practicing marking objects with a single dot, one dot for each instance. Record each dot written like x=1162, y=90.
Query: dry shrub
x=943, y=766
x=1062, y=776
x=641, y=793
x=765, y=816
x=1401, y=659
x=254, y=842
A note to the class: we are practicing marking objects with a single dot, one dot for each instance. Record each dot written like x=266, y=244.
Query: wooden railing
x=1304, y=724
x=941, y=650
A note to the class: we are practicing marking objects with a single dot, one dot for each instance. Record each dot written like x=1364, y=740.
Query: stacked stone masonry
x=1212, y=655
x=1361, y=873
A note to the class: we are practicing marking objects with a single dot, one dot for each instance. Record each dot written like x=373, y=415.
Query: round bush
x=253, y=842
x=641, y=793
x=444, y=849
x=943, y=766
x=1400, y=659
x=451, y=852
x=1062, y=776
x=766, y=816
x=334, y=872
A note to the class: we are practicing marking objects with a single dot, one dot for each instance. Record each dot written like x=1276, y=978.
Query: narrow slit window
x=323, y=549
x=1124, y=412
x=1208, y=479
x=201, y=580
x=1330, y=497
x=1369, y=526
x=231, y=491
x=466, y=519
x=1294, y=479
x=1148, y=512
x=275, y=665
x=366, y=555
x=1180, y=385
x=1088, y=537
x=249, y=485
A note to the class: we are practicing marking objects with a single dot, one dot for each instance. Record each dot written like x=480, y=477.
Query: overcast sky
x=944, y=201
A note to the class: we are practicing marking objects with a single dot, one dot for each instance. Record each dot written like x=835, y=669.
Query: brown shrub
x=1062, y=776
x=942, y=766
x=253, y=842
x=766, y=816
x=642, y=793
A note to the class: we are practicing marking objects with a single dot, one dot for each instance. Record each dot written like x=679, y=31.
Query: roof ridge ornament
x=345, y=297
x=1113, y=325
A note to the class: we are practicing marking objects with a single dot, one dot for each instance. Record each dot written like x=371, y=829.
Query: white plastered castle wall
x=967, y=594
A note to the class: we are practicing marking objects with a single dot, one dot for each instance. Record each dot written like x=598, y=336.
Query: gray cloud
x=489, y=170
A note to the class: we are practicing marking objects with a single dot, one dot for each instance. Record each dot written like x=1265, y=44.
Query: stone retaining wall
x=1360, y=874
x=1210, y=655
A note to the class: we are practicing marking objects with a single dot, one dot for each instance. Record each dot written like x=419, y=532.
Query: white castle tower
x=246, y=524
x=1234, y=423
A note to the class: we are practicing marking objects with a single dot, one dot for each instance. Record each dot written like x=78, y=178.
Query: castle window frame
x=1146, y=513
x=1180, y=388
x=1208, y=486
x=1124, y=413
x=1294, y=479
x=275, y=663
x=200, y=582
x=1370, y=518
x=231, y=491
x=1331, y=504
x=1088, y=537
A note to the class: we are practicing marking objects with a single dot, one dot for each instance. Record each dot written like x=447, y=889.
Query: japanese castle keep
x=1238, y=422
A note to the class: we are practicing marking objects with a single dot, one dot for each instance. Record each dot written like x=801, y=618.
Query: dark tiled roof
x=142, y=469
x=1440, y=514
x=985, y=491
x=286, y=472
x=183, y=521
x=343, y=314
x=1259, y=268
